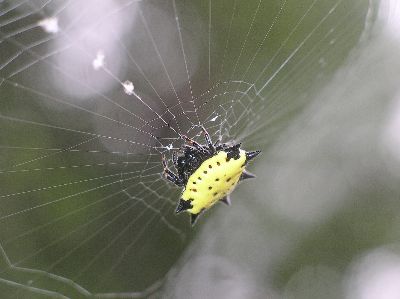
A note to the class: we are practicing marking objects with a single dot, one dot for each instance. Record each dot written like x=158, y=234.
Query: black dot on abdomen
x=209, y=188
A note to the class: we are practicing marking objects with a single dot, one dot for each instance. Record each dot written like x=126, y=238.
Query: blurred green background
x=313, y=84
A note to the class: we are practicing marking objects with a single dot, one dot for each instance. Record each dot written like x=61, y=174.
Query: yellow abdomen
x=213, y=180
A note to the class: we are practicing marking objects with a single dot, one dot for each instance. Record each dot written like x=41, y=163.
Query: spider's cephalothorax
x=208, y=173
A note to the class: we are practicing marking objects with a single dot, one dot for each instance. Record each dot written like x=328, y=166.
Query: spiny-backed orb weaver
x=208, y=173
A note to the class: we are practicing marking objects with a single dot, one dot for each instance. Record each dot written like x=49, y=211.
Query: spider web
x=94, y=93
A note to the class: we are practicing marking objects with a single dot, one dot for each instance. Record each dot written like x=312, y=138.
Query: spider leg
x=170, y=176
x=173, y=179
x=211, y=146
x=190, y=148
x=175, y=159
x=195, y=144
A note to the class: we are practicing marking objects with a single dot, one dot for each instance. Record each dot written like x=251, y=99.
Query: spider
x=208, y=173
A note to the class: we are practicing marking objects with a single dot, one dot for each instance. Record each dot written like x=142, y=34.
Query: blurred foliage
x=308, y=82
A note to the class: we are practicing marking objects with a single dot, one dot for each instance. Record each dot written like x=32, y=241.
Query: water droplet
x=128, y=87
x=50, y=25
x=98, y=62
